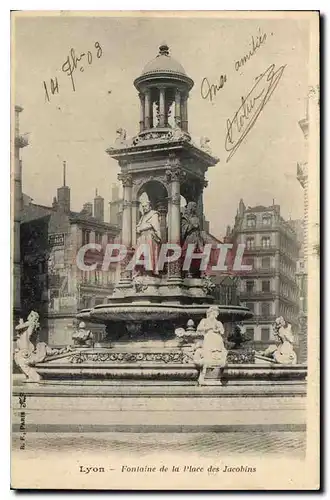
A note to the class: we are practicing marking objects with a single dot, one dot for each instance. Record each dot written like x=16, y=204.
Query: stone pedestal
x=155, y=407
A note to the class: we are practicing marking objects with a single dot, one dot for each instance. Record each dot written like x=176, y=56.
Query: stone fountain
x=153, y=317
x=163, y=358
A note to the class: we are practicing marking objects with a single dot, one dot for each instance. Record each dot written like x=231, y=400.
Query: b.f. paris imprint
x=251, y=106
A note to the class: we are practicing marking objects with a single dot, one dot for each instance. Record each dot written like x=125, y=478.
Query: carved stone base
x=169, y=365
x=172, y=365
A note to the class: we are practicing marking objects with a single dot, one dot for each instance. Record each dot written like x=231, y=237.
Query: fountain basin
x=137, y=312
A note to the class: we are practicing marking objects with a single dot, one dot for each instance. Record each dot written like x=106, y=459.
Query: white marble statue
x=148, y=233
x=26, y=353
x=83, y=337
x=211, y=351
x=120, y=136
x=282, y=352
x=177, y=133
x=205, y=144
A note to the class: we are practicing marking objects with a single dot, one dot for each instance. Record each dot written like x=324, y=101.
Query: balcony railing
x=302, y=168
x=258, y=318
x=262, y=270
x=21, y=141
x=274, y=226
x=257, y=293
x=260, y=248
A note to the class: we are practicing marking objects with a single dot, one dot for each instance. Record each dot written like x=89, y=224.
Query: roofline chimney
x=64, y=173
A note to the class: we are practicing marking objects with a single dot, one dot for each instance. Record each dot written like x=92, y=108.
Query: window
x=265, y=262
x=265, y=309
x=43, y=267
x=265, y=333
x=265, y=241
x=250, y=305
x=266, y=220
x=249, y=261
x=85, y=236
x=59, y=258
x=85, y=276
x=85, y=303
x=251, y=221
x=98, y=238
x=265, y=286
x=250, y=286
x=250, y=333
x=249, y=243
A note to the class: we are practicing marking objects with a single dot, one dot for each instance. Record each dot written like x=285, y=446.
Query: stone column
x=142, y=109
x=162, y=107
x=135, y=205
x=177, y=116
x=174, y=236
x=147, y=118
x=200, y=204
x=126, y=232
x=174, y=176
x=162, y=210
x=126, y=235
x=184, y=113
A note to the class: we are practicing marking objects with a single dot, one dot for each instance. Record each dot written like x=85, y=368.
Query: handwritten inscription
x=256, y=43
x=72, y=63
x=251, y=106
x=210, y=90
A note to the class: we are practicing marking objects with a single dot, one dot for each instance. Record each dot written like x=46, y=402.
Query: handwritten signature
x=251, y=106
x=208, y=90
x=70, y=65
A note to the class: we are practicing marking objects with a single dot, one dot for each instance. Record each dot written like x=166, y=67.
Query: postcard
x=165, y=250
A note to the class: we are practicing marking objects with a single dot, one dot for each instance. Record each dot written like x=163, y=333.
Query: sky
x=78, y=126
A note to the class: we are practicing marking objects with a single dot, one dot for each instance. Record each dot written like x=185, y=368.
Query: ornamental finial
x=164, y=49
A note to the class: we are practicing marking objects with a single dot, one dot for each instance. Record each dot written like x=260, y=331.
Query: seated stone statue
x=83, y=337
x=177, y=133
x=26, y=353
x=120, y=136
x=283, y=352
x=148, y=233
x=205, y=144
x=211, y=351
x=191, y=233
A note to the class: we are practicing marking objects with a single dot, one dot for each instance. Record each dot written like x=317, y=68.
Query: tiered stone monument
x=161, y=322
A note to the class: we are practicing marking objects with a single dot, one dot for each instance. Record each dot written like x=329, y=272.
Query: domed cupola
x=163, y=89
x=163, y=63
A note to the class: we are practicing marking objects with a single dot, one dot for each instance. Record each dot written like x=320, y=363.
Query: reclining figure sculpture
x=282, y=352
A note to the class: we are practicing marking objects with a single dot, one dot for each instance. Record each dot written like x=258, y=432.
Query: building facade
x=52, y=283
x=20, y=142
x=269, y=290
x=302, y=177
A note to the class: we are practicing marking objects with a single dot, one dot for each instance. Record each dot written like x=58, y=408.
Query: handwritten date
x=72, y=63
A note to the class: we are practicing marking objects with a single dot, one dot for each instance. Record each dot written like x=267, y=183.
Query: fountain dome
x=166, y=68
x=163, y=63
